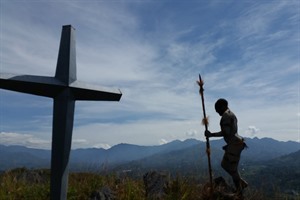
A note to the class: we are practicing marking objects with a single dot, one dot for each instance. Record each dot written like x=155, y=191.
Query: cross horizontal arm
x=84, y=91
x=36, y=85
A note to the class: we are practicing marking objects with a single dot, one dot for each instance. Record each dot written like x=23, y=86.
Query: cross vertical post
x=63, y=117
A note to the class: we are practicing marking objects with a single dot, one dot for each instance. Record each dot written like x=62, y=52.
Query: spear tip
x=200, y=82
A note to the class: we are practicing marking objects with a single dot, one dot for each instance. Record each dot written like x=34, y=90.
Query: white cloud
x=274, y=120
x=102, y=145
x=162, y=141
x=252, y=131
x=191, y=133
x=27, y=140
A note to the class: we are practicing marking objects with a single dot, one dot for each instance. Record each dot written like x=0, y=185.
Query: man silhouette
x=235, y=143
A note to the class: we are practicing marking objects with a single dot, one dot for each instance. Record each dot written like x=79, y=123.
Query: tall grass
x=15, y=186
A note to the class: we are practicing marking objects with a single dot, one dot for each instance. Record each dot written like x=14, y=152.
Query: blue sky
x=246, y=51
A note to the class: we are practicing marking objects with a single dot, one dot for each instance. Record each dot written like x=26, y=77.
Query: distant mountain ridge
x=282, y=172
x=193, y=158
x=20, y=156
x=179, y=151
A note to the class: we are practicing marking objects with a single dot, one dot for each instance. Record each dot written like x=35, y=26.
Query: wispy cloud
x=23, y=140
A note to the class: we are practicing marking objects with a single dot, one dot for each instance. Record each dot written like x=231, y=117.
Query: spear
x=205, y=122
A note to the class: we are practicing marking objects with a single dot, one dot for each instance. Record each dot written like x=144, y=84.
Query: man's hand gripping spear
x=205, y=123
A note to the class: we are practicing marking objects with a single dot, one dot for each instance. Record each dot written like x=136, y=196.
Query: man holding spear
x=229, y=131
x=235, y=143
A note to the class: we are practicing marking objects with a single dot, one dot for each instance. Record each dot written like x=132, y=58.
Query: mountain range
x=122, y=156
x=267, y=164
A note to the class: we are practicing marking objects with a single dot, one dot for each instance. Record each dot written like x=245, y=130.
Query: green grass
x=13, y=186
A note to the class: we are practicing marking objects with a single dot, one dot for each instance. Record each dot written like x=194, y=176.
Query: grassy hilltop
x=270, y=167
x=35, y=185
